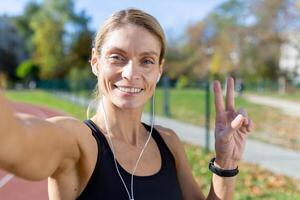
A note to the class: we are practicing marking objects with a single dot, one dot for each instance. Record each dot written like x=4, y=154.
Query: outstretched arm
x=34, y=148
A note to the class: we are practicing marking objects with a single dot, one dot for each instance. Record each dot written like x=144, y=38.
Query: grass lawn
x=253, y=182
x=43, y=98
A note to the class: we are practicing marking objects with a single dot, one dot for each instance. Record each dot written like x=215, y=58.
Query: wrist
x=222, y=172
x=225, y=163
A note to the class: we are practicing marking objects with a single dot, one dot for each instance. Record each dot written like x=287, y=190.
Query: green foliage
x=80, y=50
x=27, y=69
x=45, y=28
x=182, y=82
x=48, y=42
x=22, y=23
x=245, y=37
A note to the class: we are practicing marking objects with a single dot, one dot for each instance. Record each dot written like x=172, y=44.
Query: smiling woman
x=128, y=66
x=114, y=155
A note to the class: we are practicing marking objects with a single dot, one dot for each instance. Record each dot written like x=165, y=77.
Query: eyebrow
x=150, y=53
x=113, y=48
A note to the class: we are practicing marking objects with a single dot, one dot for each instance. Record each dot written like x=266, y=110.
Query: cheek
x=104, y=79
x=151, y=80
x=106, y=73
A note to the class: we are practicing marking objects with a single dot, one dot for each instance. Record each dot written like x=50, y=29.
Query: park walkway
x=288, y=107
x=274, y=158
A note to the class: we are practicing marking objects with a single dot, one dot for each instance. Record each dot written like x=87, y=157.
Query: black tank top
x=105, y=183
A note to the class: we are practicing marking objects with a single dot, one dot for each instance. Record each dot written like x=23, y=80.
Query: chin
x=129, y=104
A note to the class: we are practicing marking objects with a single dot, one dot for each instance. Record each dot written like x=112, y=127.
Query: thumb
x=237, y=122
x=234, y=125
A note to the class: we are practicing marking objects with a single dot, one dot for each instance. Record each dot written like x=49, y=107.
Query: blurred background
x=45, y=48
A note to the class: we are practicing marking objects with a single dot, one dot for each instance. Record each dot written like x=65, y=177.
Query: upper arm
x=189, y=186
x=41, y=147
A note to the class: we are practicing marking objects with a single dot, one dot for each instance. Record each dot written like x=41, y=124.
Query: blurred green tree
x=22, y=23
x=11, y=47
x=57, y=38
x=245, y=37
x=48, y=44
x=28, y=71
x=80, y=47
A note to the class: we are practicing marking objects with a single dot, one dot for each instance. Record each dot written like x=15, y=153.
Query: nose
x=131, y=72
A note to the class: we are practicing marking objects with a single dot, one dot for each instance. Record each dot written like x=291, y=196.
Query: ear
x=94, y=62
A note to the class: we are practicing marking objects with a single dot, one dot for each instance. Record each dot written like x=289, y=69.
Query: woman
x=113, y=155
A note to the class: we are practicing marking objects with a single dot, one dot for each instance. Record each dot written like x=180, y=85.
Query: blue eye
x=148, y=62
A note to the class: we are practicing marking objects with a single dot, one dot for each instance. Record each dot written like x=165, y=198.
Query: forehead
x=132, y=39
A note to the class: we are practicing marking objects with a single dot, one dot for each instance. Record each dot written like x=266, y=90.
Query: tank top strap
x=167, y=154
x=98, y=135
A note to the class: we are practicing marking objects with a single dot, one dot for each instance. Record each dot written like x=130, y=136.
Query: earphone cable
x=131, y=197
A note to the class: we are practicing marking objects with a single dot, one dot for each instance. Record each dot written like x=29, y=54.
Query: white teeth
x=130, y=90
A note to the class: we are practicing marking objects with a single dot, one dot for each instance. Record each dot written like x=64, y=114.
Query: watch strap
x=222, y=172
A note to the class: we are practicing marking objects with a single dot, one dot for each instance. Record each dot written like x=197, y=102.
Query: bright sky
x=174, y=15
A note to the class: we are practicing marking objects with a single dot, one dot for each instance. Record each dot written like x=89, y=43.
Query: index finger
x=219, y=102
x=230, y=94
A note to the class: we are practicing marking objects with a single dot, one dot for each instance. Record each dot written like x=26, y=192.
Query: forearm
x=222, y=188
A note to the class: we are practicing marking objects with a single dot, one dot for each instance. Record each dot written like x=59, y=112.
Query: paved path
x=288, y=107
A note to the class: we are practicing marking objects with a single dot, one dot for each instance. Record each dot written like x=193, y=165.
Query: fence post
x=207, y=115
x=166, y=103
x=151, y=109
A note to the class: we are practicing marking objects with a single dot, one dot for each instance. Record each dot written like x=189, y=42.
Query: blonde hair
x=124, y=17
x=135, y=17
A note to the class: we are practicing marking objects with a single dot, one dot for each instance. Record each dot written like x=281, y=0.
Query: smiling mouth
x=131, y=90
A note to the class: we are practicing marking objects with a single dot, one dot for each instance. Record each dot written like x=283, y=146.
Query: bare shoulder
x=71, y=124
x=84, y=139
x=77, y=129
x=171, y=139
x=64, y=120
x=167, y=134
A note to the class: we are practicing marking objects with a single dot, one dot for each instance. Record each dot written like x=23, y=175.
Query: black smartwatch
x=222, y=172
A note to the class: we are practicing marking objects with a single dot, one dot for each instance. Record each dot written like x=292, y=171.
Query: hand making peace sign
x=231, y=128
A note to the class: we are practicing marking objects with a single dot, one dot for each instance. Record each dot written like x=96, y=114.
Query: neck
x=124, y=124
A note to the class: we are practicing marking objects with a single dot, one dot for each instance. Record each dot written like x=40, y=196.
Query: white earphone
x=95, y=70
x=158, y=78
